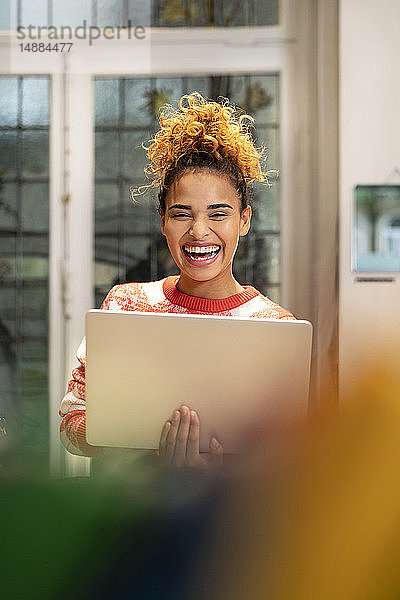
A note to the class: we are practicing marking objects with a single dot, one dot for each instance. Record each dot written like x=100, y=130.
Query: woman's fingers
x=180, y=441
x=163, y=438
x=171, y=437
x=182, y=437
x=216, y=453
x=193, y=439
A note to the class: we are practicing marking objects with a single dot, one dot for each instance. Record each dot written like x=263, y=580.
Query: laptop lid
x=236, y=372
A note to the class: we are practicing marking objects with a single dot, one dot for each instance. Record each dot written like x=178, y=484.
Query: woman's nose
x=199, y=229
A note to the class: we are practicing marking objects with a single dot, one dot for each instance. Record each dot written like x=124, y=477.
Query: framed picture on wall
x=376, y=228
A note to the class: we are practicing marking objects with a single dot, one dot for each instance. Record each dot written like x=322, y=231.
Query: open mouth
x=201, y=253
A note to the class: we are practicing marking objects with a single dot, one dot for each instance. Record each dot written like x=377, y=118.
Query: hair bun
x=202, y=126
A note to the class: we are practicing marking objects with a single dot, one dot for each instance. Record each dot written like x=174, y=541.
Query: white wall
x=369, y=149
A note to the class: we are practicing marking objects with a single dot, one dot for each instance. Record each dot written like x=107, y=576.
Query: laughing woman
x=203, y=162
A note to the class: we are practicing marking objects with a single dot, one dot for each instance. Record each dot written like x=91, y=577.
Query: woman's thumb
x=216, y=452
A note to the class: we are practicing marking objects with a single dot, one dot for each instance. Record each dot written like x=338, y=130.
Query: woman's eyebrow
x=181, y=206
x=209, y=207
x=214, y=206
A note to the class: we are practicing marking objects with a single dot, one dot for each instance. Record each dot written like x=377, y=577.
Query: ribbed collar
x=208, y=305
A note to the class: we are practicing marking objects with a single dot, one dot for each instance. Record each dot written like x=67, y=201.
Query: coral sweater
x=157, y=296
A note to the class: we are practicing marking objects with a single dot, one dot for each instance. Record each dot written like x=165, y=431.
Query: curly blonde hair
x=203, y=134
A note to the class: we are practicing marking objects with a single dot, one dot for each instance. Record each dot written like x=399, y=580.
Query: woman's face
x=202, y=224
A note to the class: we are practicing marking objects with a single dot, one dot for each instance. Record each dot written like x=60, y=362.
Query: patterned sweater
x=157, y=296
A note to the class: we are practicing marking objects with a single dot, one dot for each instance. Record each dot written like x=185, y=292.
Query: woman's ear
x=245, y=219
x=162, y=223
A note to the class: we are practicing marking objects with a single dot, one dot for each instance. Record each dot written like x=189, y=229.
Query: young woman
x=203, y=162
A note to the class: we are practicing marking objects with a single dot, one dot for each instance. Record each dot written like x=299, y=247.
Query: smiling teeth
x=201, y=249
x=202, y=253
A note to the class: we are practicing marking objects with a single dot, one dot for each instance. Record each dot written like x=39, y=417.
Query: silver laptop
x=235, y=372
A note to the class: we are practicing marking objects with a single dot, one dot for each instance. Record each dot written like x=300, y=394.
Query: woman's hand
x=179, y=442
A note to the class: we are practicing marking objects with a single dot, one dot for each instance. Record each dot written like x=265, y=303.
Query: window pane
x=109, y=12
x=33, y=13
x=8, y=208
x=243, y=262
x=140, y=12
x=7, y=298
x=35, y=101
x=108, y=265
x=266, y=208
x=138, y=258
x=215, y=13
x=35, y=145
x=236, y=13
x=106, y=102
x=268, y=137
x=8, y=153
x=35, y=244
x=138, y=99
x=5, y=16
x=137, y=218
x=35, y=303
x=7, y=259
x=35, y=346
x=267, y=252
x=107, y=204
x=166, y=90
x=35, y=207
x=261, y=99
x=24, y=264
x=72, y=13
x=107, y=155
x=266, y=13
x=200, y=84
x=8, y=101
x=133, y=156
x=154, y=13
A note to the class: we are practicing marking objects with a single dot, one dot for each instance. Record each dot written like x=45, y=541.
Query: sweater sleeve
x=73, y=405
x=73, y=411
x=274, y=312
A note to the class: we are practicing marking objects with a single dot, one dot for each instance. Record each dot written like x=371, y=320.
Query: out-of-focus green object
x=58, y=538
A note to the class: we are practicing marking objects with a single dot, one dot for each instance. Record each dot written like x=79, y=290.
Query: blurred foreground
x=308, y=512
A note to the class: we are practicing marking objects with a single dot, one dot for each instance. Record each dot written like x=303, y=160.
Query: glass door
x=24, y=261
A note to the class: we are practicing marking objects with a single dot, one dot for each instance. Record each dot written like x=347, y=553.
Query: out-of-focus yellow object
x=324, y=522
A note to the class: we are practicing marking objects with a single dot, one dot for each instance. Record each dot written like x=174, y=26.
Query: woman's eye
x=181, y=216
x=218, y=215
